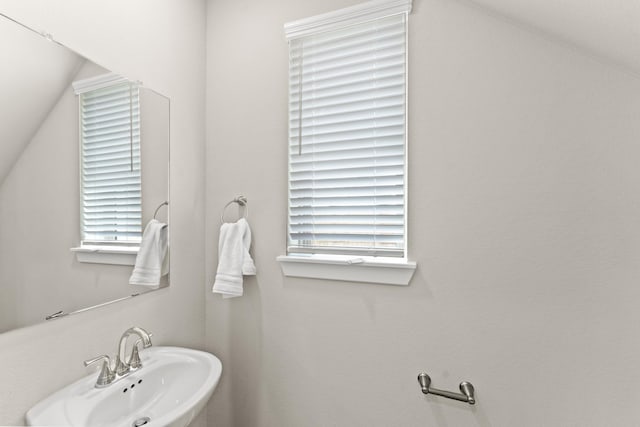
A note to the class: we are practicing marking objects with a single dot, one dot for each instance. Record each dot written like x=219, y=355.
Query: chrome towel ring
x=241, y=201
x=165, y=203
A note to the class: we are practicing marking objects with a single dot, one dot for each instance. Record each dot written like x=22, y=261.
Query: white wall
x=28, y=94
x=162, y=44
x=524, y=206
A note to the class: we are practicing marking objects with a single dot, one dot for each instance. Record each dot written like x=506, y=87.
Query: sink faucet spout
x=122, y=366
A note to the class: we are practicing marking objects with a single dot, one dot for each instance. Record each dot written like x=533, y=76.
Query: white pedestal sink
x=170, y=389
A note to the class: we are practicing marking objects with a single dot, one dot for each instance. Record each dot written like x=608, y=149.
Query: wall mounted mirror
x=84, y=165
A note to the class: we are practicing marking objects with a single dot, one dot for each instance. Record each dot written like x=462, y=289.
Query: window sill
x=387, y=271
x=106, y=255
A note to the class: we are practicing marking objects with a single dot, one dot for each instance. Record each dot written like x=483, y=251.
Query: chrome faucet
x=107, y=375
x=122, y=365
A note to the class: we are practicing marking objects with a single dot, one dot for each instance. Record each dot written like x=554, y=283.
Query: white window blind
x=110, y=164
x=347, y=139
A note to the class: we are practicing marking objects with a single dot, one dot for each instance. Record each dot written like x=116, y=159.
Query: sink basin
x=170, y=389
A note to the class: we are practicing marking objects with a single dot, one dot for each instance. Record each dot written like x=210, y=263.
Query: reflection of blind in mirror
x=111, y=183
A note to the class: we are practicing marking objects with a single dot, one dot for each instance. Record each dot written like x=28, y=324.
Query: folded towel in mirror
x=152, y=261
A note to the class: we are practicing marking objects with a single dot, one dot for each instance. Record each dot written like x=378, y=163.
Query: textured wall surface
x=161, y=43
x=523, y=214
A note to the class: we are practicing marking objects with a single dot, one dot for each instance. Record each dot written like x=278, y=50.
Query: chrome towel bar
x=466, y=388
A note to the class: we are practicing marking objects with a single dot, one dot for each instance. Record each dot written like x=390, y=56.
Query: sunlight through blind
x=347, y=139
x=111, y=184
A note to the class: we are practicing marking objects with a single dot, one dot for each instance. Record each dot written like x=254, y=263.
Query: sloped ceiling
x=607, y=28
x=41, y=70
x=33, y=75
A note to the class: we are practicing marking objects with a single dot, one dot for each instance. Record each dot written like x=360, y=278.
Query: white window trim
x=345, y=17
x=388, y=271
x=379, y=270
x=97, y=82
x=106, y=254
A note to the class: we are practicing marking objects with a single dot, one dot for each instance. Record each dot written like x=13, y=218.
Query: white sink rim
x=52, y=411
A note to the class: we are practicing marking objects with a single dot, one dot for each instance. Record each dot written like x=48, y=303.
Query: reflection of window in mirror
x=110, y=178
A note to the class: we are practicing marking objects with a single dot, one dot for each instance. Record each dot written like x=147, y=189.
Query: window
x=110, y=161
x=347, y=133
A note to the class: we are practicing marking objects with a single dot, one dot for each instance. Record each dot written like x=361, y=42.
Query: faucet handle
x=106, y=375
x=134, y=359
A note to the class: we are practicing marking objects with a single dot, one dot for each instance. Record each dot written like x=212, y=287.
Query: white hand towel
x=234, y=260
x=152, y=260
